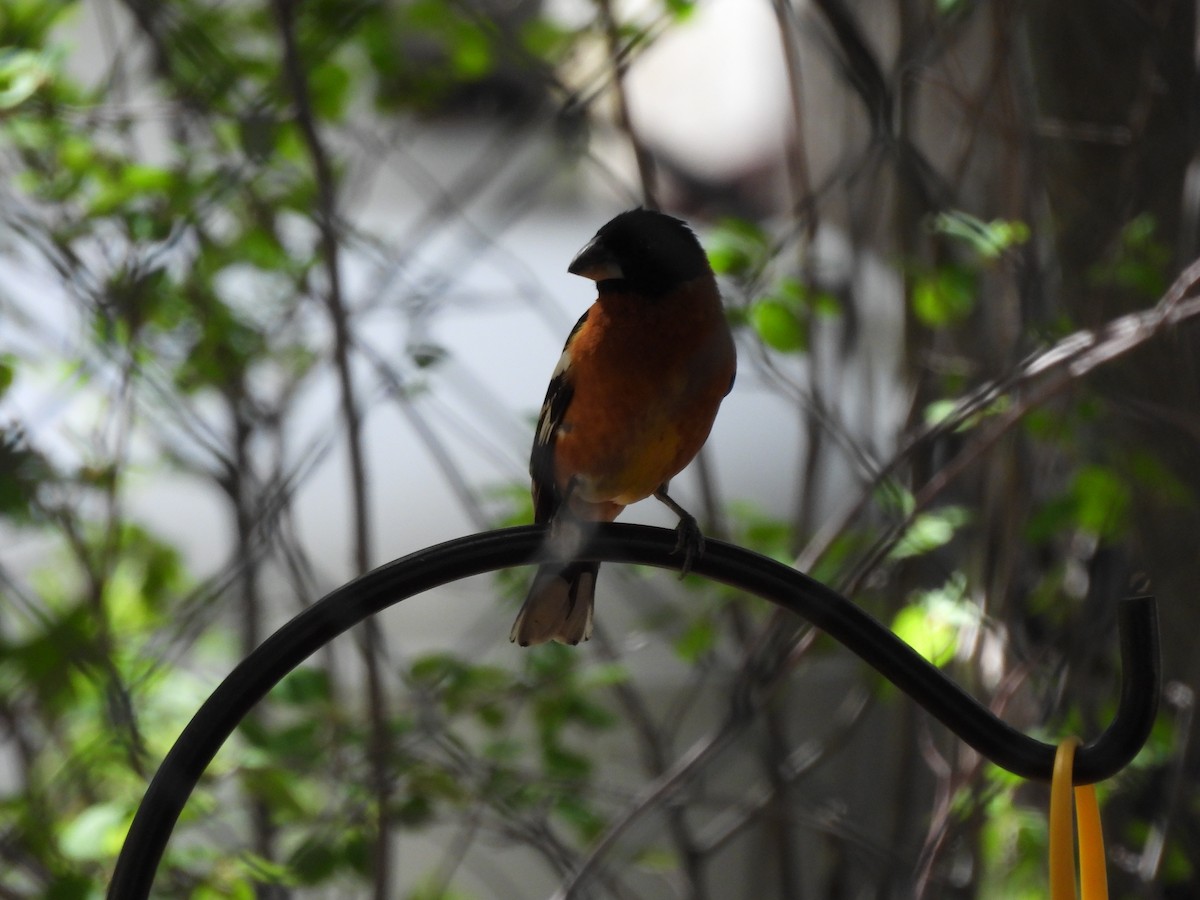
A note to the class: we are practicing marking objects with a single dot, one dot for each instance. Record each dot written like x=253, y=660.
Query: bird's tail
x=559, y=605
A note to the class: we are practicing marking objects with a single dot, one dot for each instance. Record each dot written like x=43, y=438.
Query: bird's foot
x=689, y=540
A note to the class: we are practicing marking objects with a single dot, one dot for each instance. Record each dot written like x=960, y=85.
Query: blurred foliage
x=192, y=205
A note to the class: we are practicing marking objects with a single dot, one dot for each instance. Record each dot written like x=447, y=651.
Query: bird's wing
x=546, y=496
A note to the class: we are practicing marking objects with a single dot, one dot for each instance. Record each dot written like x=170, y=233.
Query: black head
x=642, y=251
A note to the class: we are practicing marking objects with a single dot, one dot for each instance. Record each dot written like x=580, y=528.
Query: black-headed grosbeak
x=630, y=403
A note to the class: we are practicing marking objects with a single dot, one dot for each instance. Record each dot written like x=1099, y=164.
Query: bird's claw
x=689, y=540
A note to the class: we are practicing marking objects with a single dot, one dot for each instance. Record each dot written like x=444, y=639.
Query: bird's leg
x=688, y=537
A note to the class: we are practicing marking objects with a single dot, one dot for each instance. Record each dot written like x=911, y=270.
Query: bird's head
x=642, y=251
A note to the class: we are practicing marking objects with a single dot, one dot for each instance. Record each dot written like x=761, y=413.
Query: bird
x=630, y=403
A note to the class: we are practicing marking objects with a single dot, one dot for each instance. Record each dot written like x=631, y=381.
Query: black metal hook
x=288, y=647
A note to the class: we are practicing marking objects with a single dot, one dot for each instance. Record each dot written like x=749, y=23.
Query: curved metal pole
x=250, y=681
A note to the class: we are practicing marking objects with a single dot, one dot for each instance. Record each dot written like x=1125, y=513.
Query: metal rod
x=345, y=607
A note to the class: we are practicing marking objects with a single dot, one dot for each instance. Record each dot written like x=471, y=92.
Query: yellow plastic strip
x=1093, y=877
x=1062, y=840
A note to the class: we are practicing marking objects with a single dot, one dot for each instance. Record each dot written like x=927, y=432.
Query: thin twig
x=655, y=760
x=326, y=219
x=647, y=172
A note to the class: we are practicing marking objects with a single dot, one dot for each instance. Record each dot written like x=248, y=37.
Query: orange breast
x=648, y=377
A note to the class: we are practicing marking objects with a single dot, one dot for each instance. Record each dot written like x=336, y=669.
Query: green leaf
x=1096, y=501
x=28, y=22
x=437, y=667
x=604, y=675
x=544, y=38
x=261, y=248
x=315, y=860
x=825, y=304
x=1102, y=501
x=76, y=154
x=329, y=85
x=939, y=411
x=564, y=764
x=96, y=833
x=472, y=56
x=282, y=792
x=71, y=886
x=778, y=326
x=108, y=200
x=415, y=811
x=303, y=686
x=1140, y=262
x=503, y=750
x=762, y=532
x=576, y=812
x=930, y=530
x=1149, y=472
x=143, y=179
x=737, y=247
x=551, y=663
x=697, y=640
x=656, y=859
x=39, y=659
x=944, y=296
x=894, y=498
x=680, y=10
x=7, y=372
x=262, y=870
x=22, y=74
x=989, y=239
x=492, y=715
x=230, y=887
x=931, y=637
x=930, y=624
x=505, y=787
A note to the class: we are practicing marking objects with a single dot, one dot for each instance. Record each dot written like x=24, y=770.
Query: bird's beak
x=596, y=262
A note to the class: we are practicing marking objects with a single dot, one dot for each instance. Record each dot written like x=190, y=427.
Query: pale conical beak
x=596, y=262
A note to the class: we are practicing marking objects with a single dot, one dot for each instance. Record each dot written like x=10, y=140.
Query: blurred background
x=281, y=287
